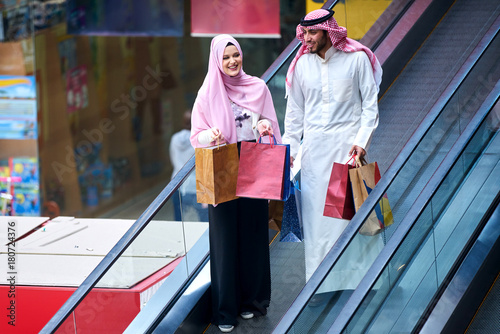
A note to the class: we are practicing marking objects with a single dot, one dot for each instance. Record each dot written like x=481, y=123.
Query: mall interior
x=99, y=231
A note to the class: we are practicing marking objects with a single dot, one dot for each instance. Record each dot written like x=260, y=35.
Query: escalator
x=343, y=311
x=423, y=113
x=454, y=212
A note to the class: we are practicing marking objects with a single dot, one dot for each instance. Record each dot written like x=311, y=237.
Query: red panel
x=235, y=17
x=102, y=311
x=107, y=311
x=34, y=306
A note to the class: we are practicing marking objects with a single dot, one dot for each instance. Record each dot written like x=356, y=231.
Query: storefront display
x=19, y=183
x=17, y=107
x=104, y=100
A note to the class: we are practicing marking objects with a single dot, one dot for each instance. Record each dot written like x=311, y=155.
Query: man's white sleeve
x=294, y=118
x=369, y=102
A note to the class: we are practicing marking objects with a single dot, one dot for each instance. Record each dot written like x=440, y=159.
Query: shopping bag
x=275, y=214
x=291, y=227
x=339, y=202
x=216, y=173
x=363, y=178
x=263, y=170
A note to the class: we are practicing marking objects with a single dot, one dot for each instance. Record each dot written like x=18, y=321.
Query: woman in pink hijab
x=231, y=107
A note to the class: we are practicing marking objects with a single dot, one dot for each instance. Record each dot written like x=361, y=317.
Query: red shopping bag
x=339, y=202
x=264, y=171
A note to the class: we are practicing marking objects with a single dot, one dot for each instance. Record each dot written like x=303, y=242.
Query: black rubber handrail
x=413, y=214
x=381, y=188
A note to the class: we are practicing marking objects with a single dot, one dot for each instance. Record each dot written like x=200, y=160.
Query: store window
x=101, y=102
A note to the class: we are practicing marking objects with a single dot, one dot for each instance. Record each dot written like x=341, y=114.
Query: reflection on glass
x=186, y=206
x=138, y=273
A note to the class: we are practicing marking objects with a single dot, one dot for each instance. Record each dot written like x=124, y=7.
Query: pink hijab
x=340, y=41
x=212, y=107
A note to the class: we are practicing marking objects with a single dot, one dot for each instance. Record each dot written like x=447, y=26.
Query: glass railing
x=437, y=238
x=402, y=183
x=157, y=242
x=127, y=278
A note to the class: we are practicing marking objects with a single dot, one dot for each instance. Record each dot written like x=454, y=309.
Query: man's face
x=316, y=40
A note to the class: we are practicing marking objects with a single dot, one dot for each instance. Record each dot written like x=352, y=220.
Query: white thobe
x=332, y=105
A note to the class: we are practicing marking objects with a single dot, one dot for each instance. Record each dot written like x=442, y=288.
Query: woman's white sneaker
x=226, y=328
x=246, y=315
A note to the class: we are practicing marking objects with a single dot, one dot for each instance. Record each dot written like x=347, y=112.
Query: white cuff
x=205, y=137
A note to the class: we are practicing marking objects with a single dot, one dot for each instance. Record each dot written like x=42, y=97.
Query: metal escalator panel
x=419, y=266
x=469, y=299
x=486, y=319
x=436, y=239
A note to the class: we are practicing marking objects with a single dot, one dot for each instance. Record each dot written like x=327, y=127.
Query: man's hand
x=358, y=150
x=291, y=162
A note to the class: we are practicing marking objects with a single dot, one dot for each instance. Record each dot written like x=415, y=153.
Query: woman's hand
x=216, y=135
x=264, y=127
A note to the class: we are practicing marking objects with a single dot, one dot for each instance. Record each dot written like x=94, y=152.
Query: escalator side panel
x=462, y=297
x=486, y=320
x=399, y=57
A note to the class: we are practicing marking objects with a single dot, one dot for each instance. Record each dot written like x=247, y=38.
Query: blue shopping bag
x=291, y=225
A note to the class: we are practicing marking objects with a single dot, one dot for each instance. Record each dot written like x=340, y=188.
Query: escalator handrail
x=381, y=188
x=413, y=214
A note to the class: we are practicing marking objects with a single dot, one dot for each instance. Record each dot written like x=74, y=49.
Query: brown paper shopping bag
x=275, y=214
x=216, y=173
x=363, y=179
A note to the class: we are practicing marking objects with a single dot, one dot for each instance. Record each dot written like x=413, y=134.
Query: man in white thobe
x=332, y=88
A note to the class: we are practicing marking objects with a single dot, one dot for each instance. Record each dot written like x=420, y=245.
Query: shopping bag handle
x=270, y=141
x=358, y=161
x=218, y=144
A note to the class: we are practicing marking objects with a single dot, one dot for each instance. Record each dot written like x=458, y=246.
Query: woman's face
x=231, y=61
